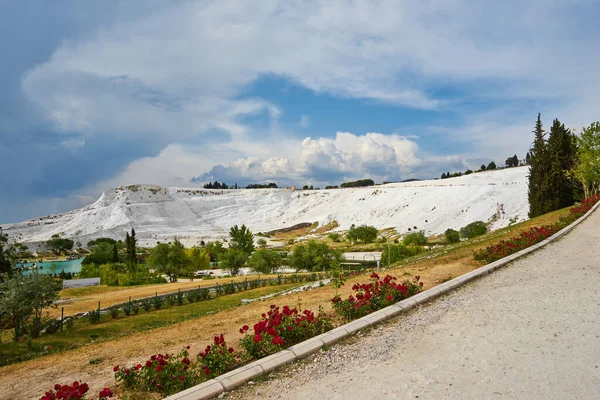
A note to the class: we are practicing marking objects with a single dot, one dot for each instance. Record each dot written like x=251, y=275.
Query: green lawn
x=84, y=333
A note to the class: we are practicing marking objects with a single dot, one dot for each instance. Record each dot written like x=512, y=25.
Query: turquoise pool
x=67, y=266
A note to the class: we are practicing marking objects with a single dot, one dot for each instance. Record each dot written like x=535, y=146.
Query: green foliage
x=363, y=233
x=170, y=260
x=262, y=243
x=338, y=279
x=234, y=259
x=415, y=238
x=587, y=168
x=58, y=244
x=474, y=229
x=512, y=161
x=96, y=242
x=242, y=239
x=399, y=252
x=198, y=259
x=102, y=254
x=314, y=256
x=130, y=250
x=358, y=183
x=8, y=255
x=265, y=261
x=215, y=250
x=335, y=237
x=89, y=270
x=24, y=299
x=452, y=236
x=550, y=186
x=491, y=166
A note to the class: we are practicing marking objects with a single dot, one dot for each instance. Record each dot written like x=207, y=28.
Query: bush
x=146, y=304
x=375, y=295
x=157, y=302
x=415, y=238
x=218, y=358
x=70, y=323
x=162, y=373
x=280, y=329
x=114, y=311
x=474, y=229
x=515, y=244
x=363, y=233
x=203, y=294
x=452, y=236
x=93, y=316
x=398, y=252
x=75, y=391
x=135, y=307
x=53, y=326
x=335, y=237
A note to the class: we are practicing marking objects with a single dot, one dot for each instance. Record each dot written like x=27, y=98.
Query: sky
x=96, y=95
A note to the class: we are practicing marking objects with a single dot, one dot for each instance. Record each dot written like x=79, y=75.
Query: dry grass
x=434, y=267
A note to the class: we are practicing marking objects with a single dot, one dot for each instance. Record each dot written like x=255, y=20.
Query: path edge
x=241, y=375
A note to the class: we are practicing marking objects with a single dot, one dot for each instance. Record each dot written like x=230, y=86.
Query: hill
x=158, y=214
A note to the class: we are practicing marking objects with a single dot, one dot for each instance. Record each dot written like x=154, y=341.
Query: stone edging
x=243, y=374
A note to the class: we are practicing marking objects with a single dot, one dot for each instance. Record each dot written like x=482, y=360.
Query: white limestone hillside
x=202, y=214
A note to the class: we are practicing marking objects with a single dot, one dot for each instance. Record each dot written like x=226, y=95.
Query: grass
x=84, y=333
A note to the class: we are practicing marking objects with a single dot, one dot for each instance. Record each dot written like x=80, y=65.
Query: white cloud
x=304, y=121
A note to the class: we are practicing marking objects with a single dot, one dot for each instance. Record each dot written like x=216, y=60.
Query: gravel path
x=528, y=331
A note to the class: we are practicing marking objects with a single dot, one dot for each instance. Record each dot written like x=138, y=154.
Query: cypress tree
x=115, y=254
x=539, y=190
x=131, y=250
x=563, y=153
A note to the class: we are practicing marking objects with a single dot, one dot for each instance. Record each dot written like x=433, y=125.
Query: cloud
x=304, y=121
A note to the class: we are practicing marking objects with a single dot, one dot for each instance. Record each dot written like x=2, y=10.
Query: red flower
x=105, y=393
x=115, y=369
x=159, y=368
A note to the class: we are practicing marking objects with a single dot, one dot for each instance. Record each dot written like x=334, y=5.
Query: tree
x=198, y=259
x=103, y=253
x=452, y=236
x=415, y=238
x=265, y=261
x=363, y=233
x=314, y=256
x=58, y=244
x=215, y=250
x=115, y=254
x=24, y=299
x=512, y=161
x=170, y=260
x=468, y=172
x=443, y=175
x=262, y=243
x=242, y=239
x=234, y=259
x=8, y=255
x=563, y=156
x=528, y=158
x=482, y=167
x=491, y=166
x=130, y=250
x=539, y=184
x=587, y=167
x=474, y=229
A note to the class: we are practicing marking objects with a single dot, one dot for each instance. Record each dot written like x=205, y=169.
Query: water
x=67, y=266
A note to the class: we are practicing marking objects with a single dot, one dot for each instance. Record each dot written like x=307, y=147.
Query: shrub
x=377, y=294
x=114, y=311
x=75, y=391
x=146, y=304
x=415, y=238
x=135, y=307
x=217, y=359
x=70, y=323
x=157, y=302
x=280, y=329
x=191, y=296
x=162, y=373
x=363, y=233
x=335, y=237
x=474, y=229
x=515, y=244
x=93, y=316
x=203, y=294
x=53, y=326
x=127, y=309
x=452, y=236
x=399, y=252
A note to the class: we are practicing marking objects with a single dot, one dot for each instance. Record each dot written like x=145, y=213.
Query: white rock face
x=206, y=214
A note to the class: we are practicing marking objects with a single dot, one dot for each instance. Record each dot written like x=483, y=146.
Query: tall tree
x=587, y=168
x=563, y=155
x=8, y=256
x=115, y=254
x=130, y=250
x=539, y=185
x=242, y=238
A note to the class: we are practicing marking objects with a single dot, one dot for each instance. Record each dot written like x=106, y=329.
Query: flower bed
x=534, y=235
x=280, y=329
x=373, y=296
x=75, y=391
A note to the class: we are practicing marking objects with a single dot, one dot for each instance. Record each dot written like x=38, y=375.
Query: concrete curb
x=241, y=375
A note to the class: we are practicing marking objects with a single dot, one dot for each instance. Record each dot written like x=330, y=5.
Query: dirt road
x=528, y=331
